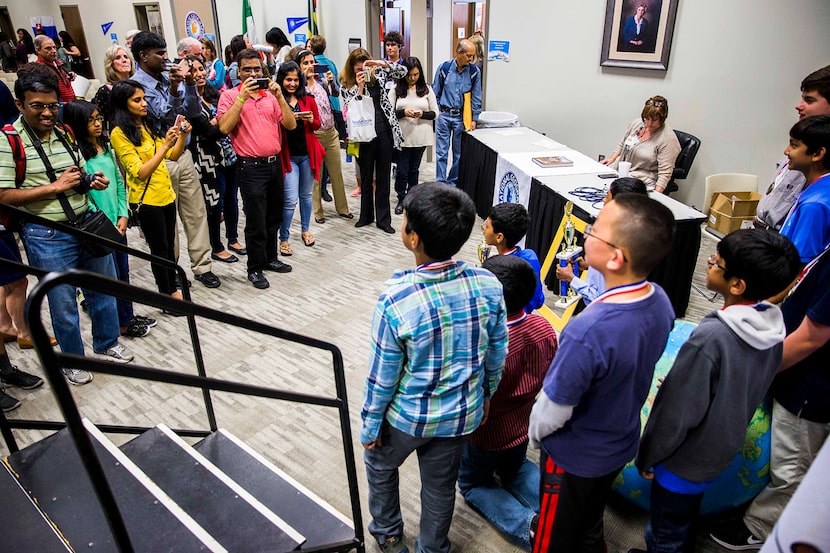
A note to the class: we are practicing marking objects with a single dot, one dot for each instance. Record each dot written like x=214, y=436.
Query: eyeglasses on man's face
x=37, y=106
x=589, y=232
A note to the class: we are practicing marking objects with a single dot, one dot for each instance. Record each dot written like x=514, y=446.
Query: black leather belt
x=259, y=160
x=451, y=111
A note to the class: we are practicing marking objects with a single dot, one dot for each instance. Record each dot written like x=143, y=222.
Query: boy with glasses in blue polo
x=716, y=383
x=587, y=418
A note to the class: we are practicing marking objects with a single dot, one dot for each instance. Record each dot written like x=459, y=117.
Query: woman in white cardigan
x=416, y=108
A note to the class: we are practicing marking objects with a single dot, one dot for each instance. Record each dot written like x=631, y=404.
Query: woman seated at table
x=650, y=145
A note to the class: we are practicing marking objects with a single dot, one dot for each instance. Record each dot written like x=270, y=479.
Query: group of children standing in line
x=455, y=373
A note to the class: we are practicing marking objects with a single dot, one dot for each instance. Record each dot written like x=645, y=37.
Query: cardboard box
x=736, y=204
x=725, y=224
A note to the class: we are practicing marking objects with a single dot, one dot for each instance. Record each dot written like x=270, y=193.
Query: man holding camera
x=251, y=115
x=168, y=96
x=54, y=197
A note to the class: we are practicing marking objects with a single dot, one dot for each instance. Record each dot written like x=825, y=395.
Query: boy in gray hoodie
x=699, y=418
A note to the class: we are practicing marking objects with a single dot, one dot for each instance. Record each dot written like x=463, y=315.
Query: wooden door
x=72, y=23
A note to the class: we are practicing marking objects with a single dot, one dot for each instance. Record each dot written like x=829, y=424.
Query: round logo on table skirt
x=509, y=188
x=193, y=25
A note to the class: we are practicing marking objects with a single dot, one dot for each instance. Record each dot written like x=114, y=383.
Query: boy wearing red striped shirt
x=587, y=418
x=499, y=445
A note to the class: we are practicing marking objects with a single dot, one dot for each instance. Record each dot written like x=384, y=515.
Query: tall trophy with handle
x=568, y=254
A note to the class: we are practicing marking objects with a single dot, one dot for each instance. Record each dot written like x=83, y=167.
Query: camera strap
x=50, y=171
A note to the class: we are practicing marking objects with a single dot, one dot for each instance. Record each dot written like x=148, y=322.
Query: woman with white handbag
x=371, y=122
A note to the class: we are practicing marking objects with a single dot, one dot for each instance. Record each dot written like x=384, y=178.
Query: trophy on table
x=568, y=255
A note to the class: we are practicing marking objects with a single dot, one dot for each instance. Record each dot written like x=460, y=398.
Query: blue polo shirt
x=450, y=90
x=808, y=223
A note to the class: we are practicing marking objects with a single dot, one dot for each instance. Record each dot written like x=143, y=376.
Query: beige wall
x=733, y=78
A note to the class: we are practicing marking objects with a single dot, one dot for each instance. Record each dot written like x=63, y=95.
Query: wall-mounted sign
x=193, y=25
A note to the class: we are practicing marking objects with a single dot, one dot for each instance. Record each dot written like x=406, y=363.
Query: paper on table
x=510, y=132
x=546, y=143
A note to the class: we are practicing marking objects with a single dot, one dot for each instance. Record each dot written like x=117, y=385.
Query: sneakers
x=208, y=279
x=277, y=266
x=7, y=402
x=135, y=330
x=77, y=377
x=534, y=527
x=394, y=544
x=146, y=321
x=258, y=280
x=117, y=353
x=21, y=379
x=736, y=538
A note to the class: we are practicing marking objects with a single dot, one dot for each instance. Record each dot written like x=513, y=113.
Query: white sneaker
x=77, y=377
x=117, y=353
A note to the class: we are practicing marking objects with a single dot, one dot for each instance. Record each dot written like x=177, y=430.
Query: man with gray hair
x=47, y=54
x=189, y=46
x=453, y=80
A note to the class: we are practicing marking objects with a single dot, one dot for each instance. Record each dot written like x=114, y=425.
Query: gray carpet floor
x=329, y=295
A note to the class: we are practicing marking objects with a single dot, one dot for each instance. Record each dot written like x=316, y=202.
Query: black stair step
x=318, y=521
x=53, y=472
x=232, y=515
x=24, y=528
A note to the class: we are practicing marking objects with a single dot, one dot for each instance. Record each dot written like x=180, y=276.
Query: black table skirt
x=674, y=274
x=477, y=173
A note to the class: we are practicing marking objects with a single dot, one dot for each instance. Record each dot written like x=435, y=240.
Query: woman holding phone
x=149, y=189
x=321, y=85
x=362, y=75
x=305, y=152
x=416, y=109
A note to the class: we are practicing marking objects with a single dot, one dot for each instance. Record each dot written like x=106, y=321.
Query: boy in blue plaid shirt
x=439, y=343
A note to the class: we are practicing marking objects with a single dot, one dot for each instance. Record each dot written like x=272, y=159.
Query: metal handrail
x=54, y=361
x=20, y=215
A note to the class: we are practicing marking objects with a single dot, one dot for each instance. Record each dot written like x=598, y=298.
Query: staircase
x=218, y=495
x=77, y=491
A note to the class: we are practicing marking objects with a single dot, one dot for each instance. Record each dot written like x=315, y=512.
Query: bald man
x=453, y=80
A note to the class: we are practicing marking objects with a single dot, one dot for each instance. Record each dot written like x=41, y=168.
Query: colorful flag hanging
x=248, y=27
x=312, y=18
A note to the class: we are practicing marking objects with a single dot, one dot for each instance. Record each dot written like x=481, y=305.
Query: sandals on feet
x=346, y=215
x=319, y=220
x=308, y=238
x=285, y=249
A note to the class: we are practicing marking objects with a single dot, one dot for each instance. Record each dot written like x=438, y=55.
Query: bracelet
x=240, y=100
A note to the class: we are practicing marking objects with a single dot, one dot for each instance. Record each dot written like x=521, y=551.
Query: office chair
x=689, y=145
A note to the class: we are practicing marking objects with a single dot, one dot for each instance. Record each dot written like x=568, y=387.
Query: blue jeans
x=438, y=460
x=447, y=127
x=409, y=161
x=509, y=504
x=298, y=184
x=121, y=261
x=52, y=250
x=671, y=520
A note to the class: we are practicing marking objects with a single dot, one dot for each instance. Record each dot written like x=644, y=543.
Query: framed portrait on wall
x=638, y=33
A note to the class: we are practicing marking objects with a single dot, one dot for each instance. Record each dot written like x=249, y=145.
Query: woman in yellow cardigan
x=149, y=189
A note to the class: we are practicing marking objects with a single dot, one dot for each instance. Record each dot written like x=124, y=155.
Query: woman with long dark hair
x=207, y=153
x=416, y=109
x=87, y=124
x=363, y=75
x=305, y=152
x=25, y=46
x=150, y=191
x=236, y=45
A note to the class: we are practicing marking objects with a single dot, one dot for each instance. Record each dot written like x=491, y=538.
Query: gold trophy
x=567, y=255
x=483, y=251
